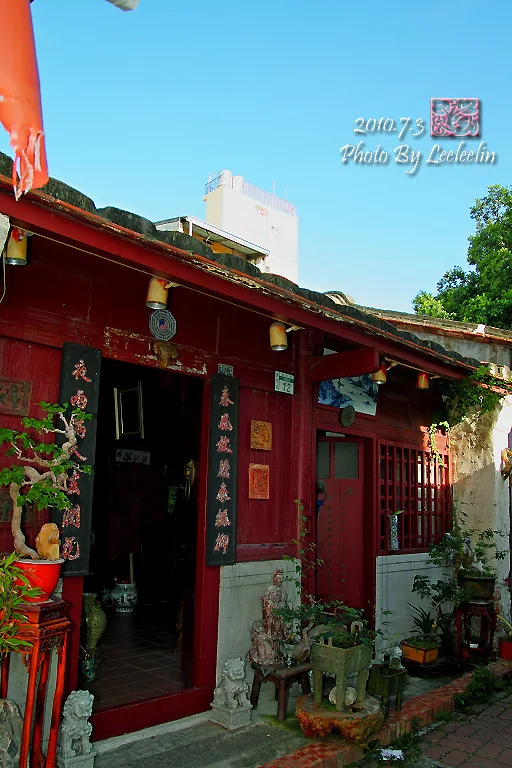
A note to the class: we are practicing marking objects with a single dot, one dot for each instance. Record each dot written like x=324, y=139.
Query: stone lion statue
x=232, y=689
x=75, y=730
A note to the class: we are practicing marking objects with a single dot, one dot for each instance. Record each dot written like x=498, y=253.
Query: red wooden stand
x=484, y=611
x=46, y=628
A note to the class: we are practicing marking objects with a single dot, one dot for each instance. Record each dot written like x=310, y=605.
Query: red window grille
x=413, y=481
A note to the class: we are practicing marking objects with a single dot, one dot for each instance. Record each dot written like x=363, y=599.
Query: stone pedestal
x=79, y=761
x=231, y=719
x=357, y=724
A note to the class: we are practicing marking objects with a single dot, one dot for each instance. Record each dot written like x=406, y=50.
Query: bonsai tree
x=468, y=551
x=13, y=591
x=43, y=473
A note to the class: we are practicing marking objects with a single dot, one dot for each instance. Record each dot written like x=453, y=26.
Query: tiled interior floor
x=137, y=660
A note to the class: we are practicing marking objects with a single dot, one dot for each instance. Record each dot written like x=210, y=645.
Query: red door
x=340, y=520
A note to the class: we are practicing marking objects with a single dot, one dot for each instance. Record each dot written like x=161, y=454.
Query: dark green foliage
x=483, y=294
x=44, y=493
x=422, y=642
x=483, y=684
x=11, y=598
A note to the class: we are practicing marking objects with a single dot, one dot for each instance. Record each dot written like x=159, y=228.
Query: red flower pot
x=43, y=574
x=505, y=649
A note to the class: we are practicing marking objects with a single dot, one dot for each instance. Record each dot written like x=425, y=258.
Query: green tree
x=483, y=294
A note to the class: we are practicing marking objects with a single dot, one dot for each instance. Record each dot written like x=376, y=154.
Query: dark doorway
x=144, y=532
x=340, y=484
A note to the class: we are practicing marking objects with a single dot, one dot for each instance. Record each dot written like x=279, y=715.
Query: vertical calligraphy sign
x=222, y=471
x=79, y=385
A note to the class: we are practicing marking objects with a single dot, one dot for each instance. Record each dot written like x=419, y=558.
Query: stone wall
x=241, y=586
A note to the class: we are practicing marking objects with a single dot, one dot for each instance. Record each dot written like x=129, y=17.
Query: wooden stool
x=486, y=612
x=282, y=677
x=46, y=627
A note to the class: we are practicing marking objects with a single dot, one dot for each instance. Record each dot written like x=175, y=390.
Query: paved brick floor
x=482, y=741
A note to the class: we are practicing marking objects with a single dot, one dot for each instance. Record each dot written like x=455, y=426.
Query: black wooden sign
x=222, y=471
x=79, y=386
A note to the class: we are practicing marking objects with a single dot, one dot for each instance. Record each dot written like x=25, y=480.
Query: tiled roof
x=230, y=266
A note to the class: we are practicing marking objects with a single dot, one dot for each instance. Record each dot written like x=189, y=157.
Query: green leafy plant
x=14, y=588
x=483, y=684
x=508, y=633
x=425, y=643
x=43, y=473
x=306, y=550
x=469, y=551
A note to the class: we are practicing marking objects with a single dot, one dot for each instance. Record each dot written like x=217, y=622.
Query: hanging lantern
x=17, y=248
x=278, y=339
x=422, y=381
x=157, y=293
x=380, y=376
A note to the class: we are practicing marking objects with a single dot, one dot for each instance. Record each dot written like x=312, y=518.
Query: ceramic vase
x=394, y=542
x=124, y=597
x=96, y=620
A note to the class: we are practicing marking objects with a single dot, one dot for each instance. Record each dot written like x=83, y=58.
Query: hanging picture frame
x=129, y=415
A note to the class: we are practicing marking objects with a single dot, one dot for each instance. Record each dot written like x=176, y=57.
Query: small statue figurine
x=231, y=707
x=47, y=542
x=268, y=634
x=75, y=730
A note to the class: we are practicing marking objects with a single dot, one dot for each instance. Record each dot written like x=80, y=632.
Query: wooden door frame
x=143, y=714
x=370, y=466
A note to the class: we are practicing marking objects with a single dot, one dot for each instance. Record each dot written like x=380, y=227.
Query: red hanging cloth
x=20, y=98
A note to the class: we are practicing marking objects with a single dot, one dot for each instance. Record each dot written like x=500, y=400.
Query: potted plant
x=437, y=622
x=44, y=474
x=423, y=649
x=505, y=641
x=470, y=552
x=14, y=590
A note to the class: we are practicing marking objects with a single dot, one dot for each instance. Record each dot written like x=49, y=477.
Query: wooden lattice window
x=413, y=481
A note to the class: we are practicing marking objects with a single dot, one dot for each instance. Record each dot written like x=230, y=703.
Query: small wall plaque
x=15, y=396
x=261, y=435
x=259, y=481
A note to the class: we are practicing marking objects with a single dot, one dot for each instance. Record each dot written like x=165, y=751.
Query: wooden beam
x=353, y=362
x=72, y=226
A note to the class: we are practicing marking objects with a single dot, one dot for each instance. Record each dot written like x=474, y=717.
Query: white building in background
x=248, y=212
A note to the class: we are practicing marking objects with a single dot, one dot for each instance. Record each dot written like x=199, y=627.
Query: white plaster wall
x=394, y=578
x=241, y=586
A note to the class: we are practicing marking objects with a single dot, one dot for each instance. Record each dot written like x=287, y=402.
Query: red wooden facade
x=86, y=283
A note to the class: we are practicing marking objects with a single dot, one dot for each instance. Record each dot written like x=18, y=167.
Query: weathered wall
x=241, y=587
x=478, y=347
x=479, y=491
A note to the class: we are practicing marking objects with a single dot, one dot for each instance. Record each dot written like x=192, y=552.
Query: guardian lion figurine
x=232, y=689
x=75, y=730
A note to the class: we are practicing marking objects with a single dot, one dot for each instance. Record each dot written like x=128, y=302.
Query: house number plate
x=284, y=382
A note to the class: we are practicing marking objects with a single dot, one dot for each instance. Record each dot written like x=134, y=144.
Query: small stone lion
x=232, y=689
x=75, y=730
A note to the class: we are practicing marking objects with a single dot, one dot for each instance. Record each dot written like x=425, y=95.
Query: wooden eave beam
x=42, y=214
x=353, y=362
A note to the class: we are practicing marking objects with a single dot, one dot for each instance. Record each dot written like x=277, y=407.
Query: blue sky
x=140, y=107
